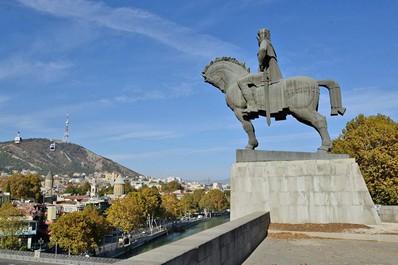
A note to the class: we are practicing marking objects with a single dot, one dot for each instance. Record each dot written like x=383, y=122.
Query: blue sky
x=128, y=73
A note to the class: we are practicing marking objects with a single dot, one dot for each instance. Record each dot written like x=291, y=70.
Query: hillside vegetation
x=67, y=158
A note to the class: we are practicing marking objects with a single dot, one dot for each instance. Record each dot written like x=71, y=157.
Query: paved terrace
x=378, y=245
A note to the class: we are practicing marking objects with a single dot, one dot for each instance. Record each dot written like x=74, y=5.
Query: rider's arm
x=262, y=52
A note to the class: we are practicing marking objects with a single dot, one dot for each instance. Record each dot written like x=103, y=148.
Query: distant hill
x=67, y=158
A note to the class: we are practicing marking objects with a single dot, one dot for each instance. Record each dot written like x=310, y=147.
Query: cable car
x=52, y=147
x=17, y=138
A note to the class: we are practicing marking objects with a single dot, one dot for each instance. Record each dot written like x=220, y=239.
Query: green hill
x=67, y=158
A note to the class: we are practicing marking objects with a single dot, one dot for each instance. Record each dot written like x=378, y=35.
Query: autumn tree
x=99, y=226
x=373, y=142
x=10, y=224
x=197, y=196
x=34, y=186
x=23, y=186
x=171, y=206
x=214, y=200
x=79, y=231
x=132, y=211
x=152, y=201
x=127, y=213
x=188, y=204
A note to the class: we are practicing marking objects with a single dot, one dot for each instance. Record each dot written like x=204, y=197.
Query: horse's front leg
x=248, y=127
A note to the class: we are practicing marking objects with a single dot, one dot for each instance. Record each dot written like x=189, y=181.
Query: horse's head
x=222, y=72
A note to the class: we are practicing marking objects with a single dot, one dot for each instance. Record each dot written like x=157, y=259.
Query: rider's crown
x=264, y=34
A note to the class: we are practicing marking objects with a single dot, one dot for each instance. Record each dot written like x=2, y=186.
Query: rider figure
x=268, y=69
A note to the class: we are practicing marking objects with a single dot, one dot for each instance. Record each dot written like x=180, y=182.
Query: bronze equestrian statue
x=266, y=94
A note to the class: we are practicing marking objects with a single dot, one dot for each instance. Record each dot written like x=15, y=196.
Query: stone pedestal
x=300, y=188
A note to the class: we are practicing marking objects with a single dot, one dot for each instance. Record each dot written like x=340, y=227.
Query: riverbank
x=115, y=250
x=190, y=229
x=131, y=242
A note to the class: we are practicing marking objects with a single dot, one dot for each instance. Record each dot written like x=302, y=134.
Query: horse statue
x=298, y=96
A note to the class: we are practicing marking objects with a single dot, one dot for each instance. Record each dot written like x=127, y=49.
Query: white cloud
x=371, y=101
x=46, y=71
x=167, y=153
x=137, y=21
x=145, y=134
x=183, y=89
x=141, y=95
x=134, y=94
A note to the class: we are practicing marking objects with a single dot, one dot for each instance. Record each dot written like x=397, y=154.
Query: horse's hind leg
x=317, y=121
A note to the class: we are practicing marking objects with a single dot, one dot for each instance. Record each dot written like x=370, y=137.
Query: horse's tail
x=334, y=95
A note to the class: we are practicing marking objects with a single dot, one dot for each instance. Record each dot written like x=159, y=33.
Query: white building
x=170, y=179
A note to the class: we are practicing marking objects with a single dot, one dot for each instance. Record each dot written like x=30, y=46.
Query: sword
x=266, y=95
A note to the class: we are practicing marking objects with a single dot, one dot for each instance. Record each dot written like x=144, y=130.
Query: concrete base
x=326, y=190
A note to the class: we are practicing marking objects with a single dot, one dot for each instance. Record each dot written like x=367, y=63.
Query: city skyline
x=129, y=74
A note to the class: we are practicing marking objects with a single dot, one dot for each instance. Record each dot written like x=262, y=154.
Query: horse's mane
x=226, y=59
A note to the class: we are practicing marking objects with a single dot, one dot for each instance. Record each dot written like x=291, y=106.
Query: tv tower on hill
x=66, y=133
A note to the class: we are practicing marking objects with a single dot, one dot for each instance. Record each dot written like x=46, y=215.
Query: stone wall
x=229, y=243
x=388, y=213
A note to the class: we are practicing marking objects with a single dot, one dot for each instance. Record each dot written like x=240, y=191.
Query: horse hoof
x=249, y=147
x=341, y=111
x=324, y=149
x=337, y=111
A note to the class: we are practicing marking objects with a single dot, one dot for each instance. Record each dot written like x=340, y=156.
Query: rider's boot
x=251, y=103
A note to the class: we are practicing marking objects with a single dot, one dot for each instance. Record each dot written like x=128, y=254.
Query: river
x=176, y=236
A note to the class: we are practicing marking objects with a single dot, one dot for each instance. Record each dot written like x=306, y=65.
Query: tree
x=152, y=201
x=188, y=204
x=81, y=189
x=170, y=205
x=214, y=200
x=10, y=224
x=99, y=226
x=127, y=213
x=171, y=186
x=132, y=211
x=79, y=231
x=72, y=189
x=197, y=196
x=19, y=187
x=84, y=188
x=23, y=186
x=373, y=142
x=33, y=182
